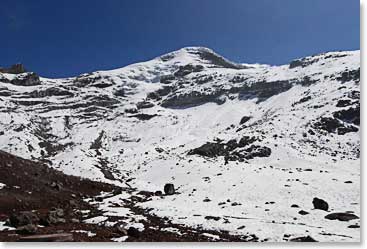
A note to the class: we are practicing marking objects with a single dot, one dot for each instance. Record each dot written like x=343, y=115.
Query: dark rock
x=303, y=239
x=302, y=212
x=341, y=216
x=117, y=191
x=244, y=119
x=158, y=193
x=351, y=115
x=169, y=189
x=14, y=69
x=154, y=96
x=52, y=91
x=27, y=229
x=334, y=125
x=294, y=206
x=302, y=100
x=159, y=150
x=263, y=89
x=212, y=218
x=27, y=79
x=144, y=117
x=120, y=92
x=349, y=75
x=187, y=69
x=343, y=103
x=131, y=110
x=354, y=226
x=167, y=79
x=54, y=216
x=23, y=218
x=133, y=232
x=320, y=204
x=144, y=105
x=208, y=150
x=193, y=98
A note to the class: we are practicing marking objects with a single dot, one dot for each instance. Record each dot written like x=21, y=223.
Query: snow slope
x=139, y=126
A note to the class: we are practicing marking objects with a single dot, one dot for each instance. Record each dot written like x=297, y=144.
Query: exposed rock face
x=52, y=91
x=233, y=150
x=14, y=69
x=264, y=90
x=187, y=69
x=192, y=99
x=334, y=125
x=353, y=75
x=26, y=79
x=351, y=115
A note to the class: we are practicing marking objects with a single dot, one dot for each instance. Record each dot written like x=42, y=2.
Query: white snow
x=280, y=178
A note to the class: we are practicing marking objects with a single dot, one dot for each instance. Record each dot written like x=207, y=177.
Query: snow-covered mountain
x=247, y=146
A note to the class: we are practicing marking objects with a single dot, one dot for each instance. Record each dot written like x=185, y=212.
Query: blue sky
x=66, y=38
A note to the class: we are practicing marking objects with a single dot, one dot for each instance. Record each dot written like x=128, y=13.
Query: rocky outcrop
x=14, y=69
x=193, y=98
x=25, y=79
x=232, y=150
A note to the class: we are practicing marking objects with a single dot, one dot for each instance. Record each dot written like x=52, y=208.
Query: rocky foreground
x=41, y=204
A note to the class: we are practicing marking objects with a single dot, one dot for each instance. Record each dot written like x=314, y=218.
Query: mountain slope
x=242, y=143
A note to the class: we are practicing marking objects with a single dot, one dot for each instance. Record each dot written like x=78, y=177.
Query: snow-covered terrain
x=247, y=147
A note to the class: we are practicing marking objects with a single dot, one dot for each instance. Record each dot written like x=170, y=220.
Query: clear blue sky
x=69, y=37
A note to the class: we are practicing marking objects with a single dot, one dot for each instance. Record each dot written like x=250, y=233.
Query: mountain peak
x=201, y=55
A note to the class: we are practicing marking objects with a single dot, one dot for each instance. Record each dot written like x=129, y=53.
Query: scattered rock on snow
x=341, y=216
x=303, y=239
x=320, y=204
x=169, y=189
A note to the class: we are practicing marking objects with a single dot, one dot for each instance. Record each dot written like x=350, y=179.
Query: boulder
x=341, y=216
x=303, y=239
x=320, y=204
x=54, y=216
x=244, y=119
x=23, y=218
x=133, y=232
x=169, y=189
x=27, y=229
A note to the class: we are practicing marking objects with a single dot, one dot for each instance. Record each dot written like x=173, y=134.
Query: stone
x=132, y=231
x=341, y=216
x=302, y=212
x=54, y=216
x=169, y=189
x=23, y=218
x=303, y=239
x=58, y=237
x=27, y=229
x=320, y=204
